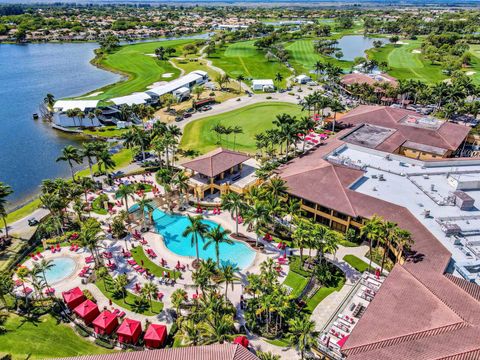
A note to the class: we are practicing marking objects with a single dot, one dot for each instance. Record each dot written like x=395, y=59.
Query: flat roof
x=176, y=84
x=368, y=135
x=64, y=105
x=135, y=98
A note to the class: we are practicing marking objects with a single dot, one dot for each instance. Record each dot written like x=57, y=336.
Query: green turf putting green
x=243, y=58
x=43, y=338
x=303, y=57
x=406, y=62
x=253, y=119
x=142, y=69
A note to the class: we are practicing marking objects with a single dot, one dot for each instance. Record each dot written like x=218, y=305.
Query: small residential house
x=302, y=79
x=265, y=85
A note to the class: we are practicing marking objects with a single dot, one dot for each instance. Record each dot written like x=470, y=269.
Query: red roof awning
x=73, y=297
x=87, y=310
x=104, y=320
x=129, y=331
x=155, y=335
x=342, y=341
x=242, y=340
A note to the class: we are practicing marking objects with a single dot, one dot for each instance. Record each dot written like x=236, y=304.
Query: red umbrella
x=241, y=340
x=129, y=331
x=342, y=341
x=155, y=336
x=73, y=297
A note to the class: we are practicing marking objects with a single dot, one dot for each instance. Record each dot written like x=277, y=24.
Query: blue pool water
x=171, y=227
x=64, y=267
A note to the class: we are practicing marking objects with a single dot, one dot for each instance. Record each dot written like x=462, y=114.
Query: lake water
x=29, y=148
x=353, y=46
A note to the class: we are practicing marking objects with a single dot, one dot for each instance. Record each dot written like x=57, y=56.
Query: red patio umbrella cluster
x=155, y=336
x=241, y=340
x=105, y=323
x=87, y=310
x=73, y=297
x=129, y=331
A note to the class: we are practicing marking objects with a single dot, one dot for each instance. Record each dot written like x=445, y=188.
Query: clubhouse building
x=220, y=171
x=429, y=305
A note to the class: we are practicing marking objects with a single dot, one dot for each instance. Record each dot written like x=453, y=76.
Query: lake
x=29, y=148
x=353, y=46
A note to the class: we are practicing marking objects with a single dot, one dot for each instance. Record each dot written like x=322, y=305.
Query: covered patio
x=73, y=297
x=155, y=336
x=105, y=323
x=129, y=331
x=87, y=311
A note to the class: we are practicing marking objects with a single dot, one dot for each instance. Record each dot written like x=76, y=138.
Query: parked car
x=179, y=118
x=206, y=108
x=187, y=115
x=33, y=221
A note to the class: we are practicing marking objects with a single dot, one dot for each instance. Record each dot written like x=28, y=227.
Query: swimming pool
x=63, y=268
x=171, y=227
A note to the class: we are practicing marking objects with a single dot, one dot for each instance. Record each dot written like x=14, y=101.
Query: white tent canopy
x=65, y=105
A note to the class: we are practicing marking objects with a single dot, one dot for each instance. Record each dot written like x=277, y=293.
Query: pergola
x=73, y=297
x=129, y=331
x=87, y=310
x=155, y=336
x=105, y=323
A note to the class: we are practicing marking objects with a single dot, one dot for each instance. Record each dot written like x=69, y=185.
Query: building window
x=340, y=215
x=309, y=204
x=339, y=227
x=322, y=220
x=323, y=209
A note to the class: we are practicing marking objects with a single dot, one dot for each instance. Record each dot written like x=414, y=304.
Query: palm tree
x=105, y=161
x=233, y=202
x=70, y=154
x=217, y=236
x=145, y=206
x=102, y=274
x=87, y=184
x=178, y=298
x=6, y=286
x=165, y=178
x=302, y=334
x=197, y=229
x=90, y=237
x=150, y=290
x=136, y=137
x=256, y=216
x=372, y=231
x=41, y=267
x=120, y=283
x=218, y=328
x=228, y=276
x=198, y=90
x=89, y=152
x=389, y=230
x=276, y=186
x=124, y=192
x=236, y=130
x=403, y=240
x=181, y=182
x=278, y=78
x=5, y=190
x=190, y=332
x=240, y=78
x=49, y=100
x=267, y=356
x=336, y=106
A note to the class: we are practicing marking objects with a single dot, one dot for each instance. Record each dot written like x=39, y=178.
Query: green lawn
x=189, y=65
x=405, y=64
x=138, y=255
x=356, y=263
x=105, y=131
x=321, y=294
x=128, y=304
x=244, y=58
x=23, y=211
x=296, y=281
x=122, y=159
x=303, y=56
x=253, y=119
x=141, y=69
x=475, y=66
x=44, y=338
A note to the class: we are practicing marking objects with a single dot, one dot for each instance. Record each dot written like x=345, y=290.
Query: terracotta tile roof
x=215, y=162
x=420, y=312
x=210, y=352
x=447, y=136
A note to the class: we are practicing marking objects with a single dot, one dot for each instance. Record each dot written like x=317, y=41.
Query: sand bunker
x=416, y=51
x=470, y=73
x=401, y=43
x=167, y=75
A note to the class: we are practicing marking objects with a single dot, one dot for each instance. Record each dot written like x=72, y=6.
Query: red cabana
x=129, y=331
x=105, y=323
x=73, y=297
x=155, y=336
x=87, y=310
x=241, y=340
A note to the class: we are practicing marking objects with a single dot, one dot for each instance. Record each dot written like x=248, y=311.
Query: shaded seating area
x=129, y=331
x=73, y=297
x=105, y=323
x=87, y=311
x=155, y=336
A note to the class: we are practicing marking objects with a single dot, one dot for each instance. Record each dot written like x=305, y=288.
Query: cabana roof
x=215, y=162
x=72, y=295
x=129, y=327
x=86, y=308
x=104, y=320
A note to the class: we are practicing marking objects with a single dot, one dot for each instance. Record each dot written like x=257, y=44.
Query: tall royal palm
x=217, y=236
x=146, y=209
x=371, y=230
x=256, y=216
x=5, y=190
x=234, y=203
x=302, y=334
x=71, y=155
x=197, y=230
x=89, y=152
x=105, y=161
x=124, y=192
